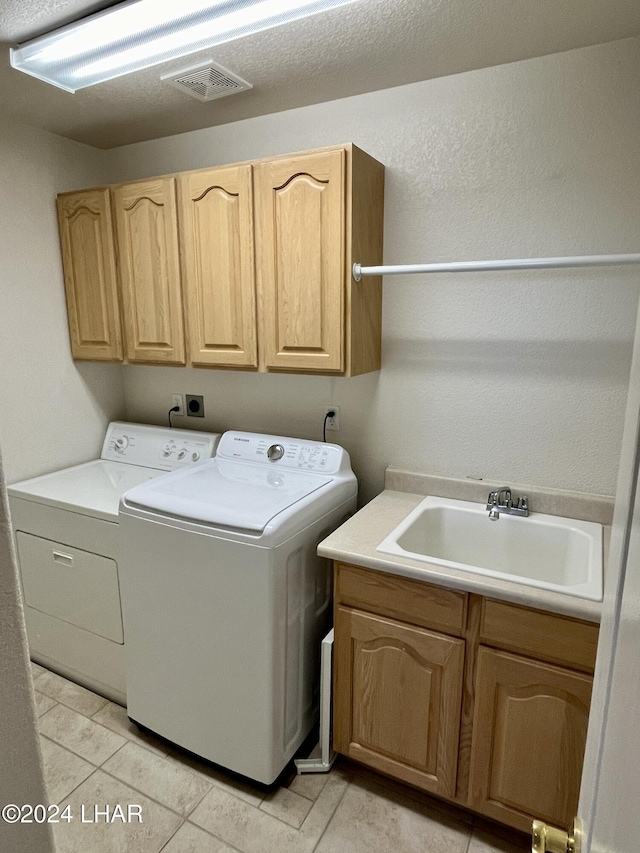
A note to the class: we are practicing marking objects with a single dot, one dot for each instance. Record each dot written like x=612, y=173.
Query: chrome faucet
x=501, y=500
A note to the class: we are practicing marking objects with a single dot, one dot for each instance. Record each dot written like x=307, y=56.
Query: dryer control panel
x=281, y=452
x=157, y=447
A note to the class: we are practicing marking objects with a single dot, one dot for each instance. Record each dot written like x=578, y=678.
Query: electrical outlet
x=334, y=422
x=178, y=400
x=195, y=406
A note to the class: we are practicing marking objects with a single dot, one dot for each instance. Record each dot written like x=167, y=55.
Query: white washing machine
x=225, y=601
x=67, y=542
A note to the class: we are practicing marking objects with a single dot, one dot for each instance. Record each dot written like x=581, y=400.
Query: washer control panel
x=157, y=447
x=277, y=451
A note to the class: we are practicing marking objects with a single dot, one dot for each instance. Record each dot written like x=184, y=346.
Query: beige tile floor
x=92, y=755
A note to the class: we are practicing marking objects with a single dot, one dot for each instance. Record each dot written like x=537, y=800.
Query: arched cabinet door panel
x=399, y=688
x=528, y=740
x=89, y=264
x=300, y=204
x=147, y=231
x=216, y=231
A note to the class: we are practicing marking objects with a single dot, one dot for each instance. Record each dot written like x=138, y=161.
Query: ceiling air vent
x=206, y=82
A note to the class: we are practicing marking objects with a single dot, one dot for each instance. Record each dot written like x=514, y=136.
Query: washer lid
x=226, y=494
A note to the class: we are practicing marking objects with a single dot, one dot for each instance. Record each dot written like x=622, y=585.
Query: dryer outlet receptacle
x=195, y=406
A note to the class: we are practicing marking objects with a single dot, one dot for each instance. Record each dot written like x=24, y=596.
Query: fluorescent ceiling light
x=140, y=33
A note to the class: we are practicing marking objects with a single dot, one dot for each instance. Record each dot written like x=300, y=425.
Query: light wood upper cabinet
x=86, y=237
x=528, y=740
x=300, y=244
x=149, y=262
x=216, y=236
x=398, y=690
x=313, y=212
x=245, y=266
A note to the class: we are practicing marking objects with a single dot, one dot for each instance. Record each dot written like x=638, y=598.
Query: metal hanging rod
x=488, y=266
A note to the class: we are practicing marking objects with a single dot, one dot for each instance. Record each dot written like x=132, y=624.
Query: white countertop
x=357, y=539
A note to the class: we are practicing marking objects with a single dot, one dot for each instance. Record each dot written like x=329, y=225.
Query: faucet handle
x=506, y=491
x=492, y=499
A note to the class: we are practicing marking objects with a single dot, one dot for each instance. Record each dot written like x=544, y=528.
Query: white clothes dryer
x=225, y=601
x=67, y=542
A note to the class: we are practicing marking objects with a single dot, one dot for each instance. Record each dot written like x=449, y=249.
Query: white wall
x=511, y=377
x=53, y=412
x=21, y=779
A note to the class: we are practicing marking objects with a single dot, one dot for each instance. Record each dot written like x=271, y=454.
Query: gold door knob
x=550, y=839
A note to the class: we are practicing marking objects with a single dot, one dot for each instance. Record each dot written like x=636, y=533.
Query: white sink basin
x=546, y=551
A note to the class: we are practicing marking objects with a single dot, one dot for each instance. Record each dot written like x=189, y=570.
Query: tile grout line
x=40, y=716
x=469, y=839
x=275, y=817
x=195, y=773
x=148, y=796
x=66, y=797
x=178, y=814
x=128, y=739
x=62, y=702
x=172, y=836
x=198, y=775
x=202, y=829
x=333, y=814
x=73, y=790
x=69, y=749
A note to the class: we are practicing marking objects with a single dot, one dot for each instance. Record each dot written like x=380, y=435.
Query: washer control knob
x=121, y=443
x=167, y=449
x=195, y=456
x=275, y=452
x=182, y=453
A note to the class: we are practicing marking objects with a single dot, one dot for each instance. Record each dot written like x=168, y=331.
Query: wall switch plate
x=195, y=406
x=334, y=422
x=178, y=400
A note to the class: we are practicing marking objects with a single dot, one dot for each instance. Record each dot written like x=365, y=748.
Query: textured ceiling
x=369, y=45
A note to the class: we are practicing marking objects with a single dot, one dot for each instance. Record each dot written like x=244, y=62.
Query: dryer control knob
x=168, y=449
x=182, y=453
x=275, y=452
x=195, y=456
x=121, y=443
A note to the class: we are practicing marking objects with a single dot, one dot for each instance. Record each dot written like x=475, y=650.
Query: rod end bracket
x=357, y=275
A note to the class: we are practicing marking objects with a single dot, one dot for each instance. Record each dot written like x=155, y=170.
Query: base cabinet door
x=530, y=727
x=397, y=698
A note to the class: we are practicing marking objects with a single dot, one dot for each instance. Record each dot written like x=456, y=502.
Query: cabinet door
x=88, y=258
x=300, y=251
x=216, y=231
x=530, y=726
x=397, y=699
x=147, y=229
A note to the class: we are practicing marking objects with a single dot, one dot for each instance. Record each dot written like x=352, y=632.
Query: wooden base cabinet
x=401, y=688
x=481, y=702
x=530, y=729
